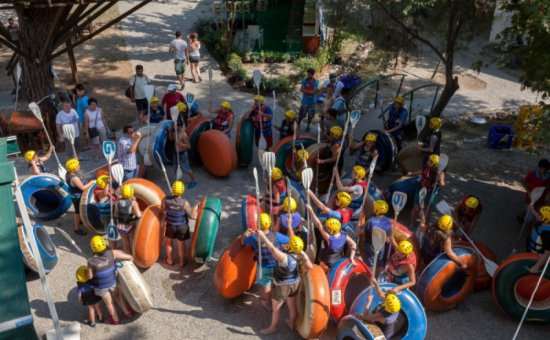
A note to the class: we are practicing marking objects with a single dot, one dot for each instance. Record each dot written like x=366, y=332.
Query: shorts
x=194, y=59
x=265, y=279
x=103, y=291
x=102, y=136
x=90, y=298
x=180, y=234
x=142, y=104
x=124, y=228
x=129, y=174
x=76, y=204
x=268, y=140
x=179, y=66
x=184, y=162
x=281, y=292
x=306, y=108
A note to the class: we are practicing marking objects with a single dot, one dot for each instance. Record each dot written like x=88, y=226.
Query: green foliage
x=317, y=62
x=234, y=62
x=278, y=84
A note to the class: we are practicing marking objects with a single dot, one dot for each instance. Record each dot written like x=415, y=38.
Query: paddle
x=444, y=208
x=190, y=99
x=211, y=96
x=117, y=172
x=274, y=103
x=35, y=109
x=536, y=193
x=268, y=163
x=175, y=113
x=255, y=172
x=307, y=178
x=149, y=92
x=398, y=201
x=88, y=173
x=317, y=165
x=366, y=193
x=159, y=161
x=420, y=122
x=109, y=149
x=421, y=198
x=68, y=131
x=354, y=117
x=17, y=79
x=378, y=241
x=257, y=77
x=338, y=158
x=443, y=162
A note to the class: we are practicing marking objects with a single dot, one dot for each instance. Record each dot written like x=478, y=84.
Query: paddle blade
x=175, y=113
x=274, y=102
x=444, y=208
x=117, y=171
x=35, y=110
x=109, y=150
x=398, y=201
x=378, y=239
x=307, y=178
x=262, y=145
x=147, y=159
x=190, y=98
x=420, y=122
x=422, y=197
x=443, y=162
x=490, y=267
x=268, y=162
x=18, y=71
x=255, y=173
x=112, y=233
x=372, y=165
x=179, y=172
x=257, y=76
x=68, y=132
x=354, y=118
x=536, y=194
x=149, y=92
x=62, y=173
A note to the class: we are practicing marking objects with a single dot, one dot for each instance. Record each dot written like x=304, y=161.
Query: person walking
x=95, y=125
x=67, y=116
x=137, y=91
x=178, y=48
x=194, y=56
x=126, y=149
x=81, y=102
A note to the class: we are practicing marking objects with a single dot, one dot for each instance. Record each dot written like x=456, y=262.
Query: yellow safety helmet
x=434, y=159
x=102, y=181
x=405, y=247
x=98, y=244
x=178, y=188
x=436, y=123
x=181, y=107
x=392, y=304
x=72, y=165
x=226, y=105
x=472, y=202
x=380, y=207
x=82, y=274
x=289, y=205
x=333, y=225
x=371, y=137
x=300, y=154
x=399, y=100
x=343, y=199
x=359, y=171
x=445, y=223
x=127, y=191
x=290, y=114
x=265, y=221
x=295, y=245
x=276, y=174
x=259, y=98
x=29, y=155
x=336, y=131
x=154, y=99
x=545, y=212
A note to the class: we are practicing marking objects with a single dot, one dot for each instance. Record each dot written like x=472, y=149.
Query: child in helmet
x=288, y=125
x=540, y=238
x=36, y=163
x=278, y=187
x=342, y=213
x=367, y=150
x=432, y=143
x=289, y=221
x=335, y=142
x=468, y=212
x=397, y=119
x=87, y=296
x=224, y=118
x=261, y=114
x=285, y=279
x=157, y=112
x=402, y=267
x=268, y=261
x=301, y=157
x=102, y=194
x=126, y=212
x=385, y=314
x=77, y=184
x=356, y=188
x=102, y=276
x=176, y=212
x=438, y=240
x=334, y=240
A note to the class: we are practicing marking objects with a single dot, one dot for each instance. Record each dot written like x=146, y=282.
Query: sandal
x=113, y=321
x=89, y=323
x=80, y=232
x=166, y=262
x=129, y=314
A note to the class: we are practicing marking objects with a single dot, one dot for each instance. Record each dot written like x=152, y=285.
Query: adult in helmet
x=397, y=119
x=540, y=239
x=385, y=314
x=367, y=150
x=224, y=118
x=428, y=176
x=77, y=184
x=336, y=141
x=334, y=240
x=285, y=279
x=402, y=266
x=356, y=187
x=432, y=142
x=289, y=126
x=278, y=189
x=181, y=147
x=102, y=276
x=157, y=112
x=268, y=261
x=87, y=296
x=342, y=211
x=378, y=219
x=261, y=114
x=36, y=163
x=289, y=221
x=126, y=212
x=438, y=240
x=468, y=212
x=534, y=179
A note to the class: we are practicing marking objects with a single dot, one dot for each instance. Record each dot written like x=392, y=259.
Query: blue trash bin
x=500, y=137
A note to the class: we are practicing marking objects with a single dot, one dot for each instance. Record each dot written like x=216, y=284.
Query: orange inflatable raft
x=313, y=304
x=236, y=270
x=145, y=247
x=249, y=213
x=483, y=280
x=217, y=153
x=146, y=192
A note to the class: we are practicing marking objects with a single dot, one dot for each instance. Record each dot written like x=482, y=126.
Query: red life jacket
x=281, y=186
x=428, y=177
x=468, y=212
x=362, y=183
x=395, y=262
x=346, y=214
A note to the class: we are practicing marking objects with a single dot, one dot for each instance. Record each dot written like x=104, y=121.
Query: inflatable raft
x=346, y=281
x=146, y=192
x=410, y=159
x=217, y=153
x=387, y=149
x=406, y=184
x=442, y=285
x=46, y=196
x=206, y=229
x=133, y=286
x=46, y=247
x=244, y=142
x=95, y=216
x=483, y=280
x=159, y=142
x=513, y=286
x=284, y=154
x=194, y=130
x=351, y=327
x=145, y=246
x=249, y=213
x=313, y=304
x=236, y=270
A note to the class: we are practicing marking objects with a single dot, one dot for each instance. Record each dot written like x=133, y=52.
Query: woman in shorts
x=95, y=126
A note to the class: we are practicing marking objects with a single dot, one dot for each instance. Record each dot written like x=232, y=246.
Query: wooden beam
x=10, y=45
x=72, y=61
x=51, y=33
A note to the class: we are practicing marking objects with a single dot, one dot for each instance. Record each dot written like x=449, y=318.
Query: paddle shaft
x=258, y=223
x=164, y=171
x=317, y=165
x=51, y=144
x=337, y=159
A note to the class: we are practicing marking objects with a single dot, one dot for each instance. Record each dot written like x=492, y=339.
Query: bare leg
x=266, y=296
x=275, y=316
x=291, y=304
x=168, y=260
x=126, y=243
x=99, y=311
x=181, y=252
x=77, y=220
x=120, y=302
x=113, y=244
x=162, y=232
x=110, y=307
x=91, y=314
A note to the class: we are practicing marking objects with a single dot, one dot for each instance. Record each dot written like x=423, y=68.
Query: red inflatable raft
x=217, y=153
x=236, y=270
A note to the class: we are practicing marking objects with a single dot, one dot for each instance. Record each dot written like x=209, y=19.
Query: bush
x=317, y=62
x=234, y=62
x=240, y=74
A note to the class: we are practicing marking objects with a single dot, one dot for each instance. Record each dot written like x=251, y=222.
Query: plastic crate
x=500, y=137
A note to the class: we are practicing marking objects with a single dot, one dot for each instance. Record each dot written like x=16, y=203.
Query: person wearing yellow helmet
x=402, y=266
x=87, y=296
x=77, y=184
x=540, y=177
x=334, y=240
x=223, y=120
x=438, y=240
x=385, y=314
x=367, y=150
x=261, y=114
x=181, y=147
x=285, y=278
x=336, y=142
x=398, y=117
x=356, y=188
x=288, y=125
x=468, y=212
x=308, y=87
x=342, y=211
x=157, y=112
x=176, y=212
x=126, y=212
x=432, y=143
x=102, y=275
x=539, y=240
x=102, y=194
x=289, y=221
x=268, y=261
x=278, y=190
x=36, y=163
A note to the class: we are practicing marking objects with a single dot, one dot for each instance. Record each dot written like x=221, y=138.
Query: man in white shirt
x=137, y=91
x=178, y=47
x=67, y=116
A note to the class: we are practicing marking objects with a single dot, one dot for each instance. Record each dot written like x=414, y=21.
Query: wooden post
x=72, y=60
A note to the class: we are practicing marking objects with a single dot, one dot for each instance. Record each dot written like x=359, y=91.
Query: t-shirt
x=81, y=106
x=179, y=46
x=309, y=85
x=535, y=179
x=395, y=117
x=127, y=159
x=139, y=85
x=339, y=104
x=70, y=117
x=171, y=99
x=338, y=87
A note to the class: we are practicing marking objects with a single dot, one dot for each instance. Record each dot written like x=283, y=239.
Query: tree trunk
x=451, y=86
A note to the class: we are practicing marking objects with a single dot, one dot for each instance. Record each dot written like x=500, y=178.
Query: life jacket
x=84, y=288
x=388, y=327
x=156, y=115
x=437, y=147
x=268, y=261
x=535, y=242
x=286, y=275
x=281, y=186
x=365, y=156
x=266, y=124
x=40, y=166
x=74, y=191
x=433, y=243
x=346, y=214
x=124, y=211
x=176, y=216
x=428, y=177
x=296, y=219
x=396, y=263
x=221, y=121
x=286, y=129
x=334, y=249
x=376, y=222
x=104, y=269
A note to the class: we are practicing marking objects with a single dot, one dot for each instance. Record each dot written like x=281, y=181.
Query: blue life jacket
x=334, y=250
x=84, y=288
x=104, y=270
x=104, y=208
x=289, y=274
x=375, y=222
x=176, y=216
x=268, y=261
x=124, y=210
x=296, y=220
x=535, y=243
